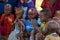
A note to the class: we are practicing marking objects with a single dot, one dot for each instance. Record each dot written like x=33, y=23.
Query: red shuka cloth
x=55, y=7
x=46, y=4
x=7, y=23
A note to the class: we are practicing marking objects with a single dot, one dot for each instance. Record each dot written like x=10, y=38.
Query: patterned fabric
x=14, y=34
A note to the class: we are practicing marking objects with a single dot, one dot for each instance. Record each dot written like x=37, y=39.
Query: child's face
x=19, y=14
x=7, y=10
x=31, y=15
x=42, y=17
x=57, y=13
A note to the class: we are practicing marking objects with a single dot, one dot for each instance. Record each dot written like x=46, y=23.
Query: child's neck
x=7, y=14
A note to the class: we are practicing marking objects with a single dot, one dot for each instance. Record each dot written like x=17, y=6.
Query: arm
x=2, y=18
x=22, y=24
x=11, y=19
x=36, y=26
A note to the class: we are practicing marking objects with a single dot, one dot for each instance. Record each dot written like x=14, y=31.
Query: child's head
x=19, y=12
x=57, y=14
x=45, y=15
x=32, y=13
x=52, y=27
x=7, y=9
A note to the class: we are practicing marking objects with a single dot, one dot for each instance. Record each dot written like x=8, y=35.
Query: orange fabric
x=7, y=23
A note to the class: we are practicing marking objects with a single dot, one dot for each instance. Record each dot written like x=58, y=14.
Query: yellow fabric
x=50, y=37
x=44, y=24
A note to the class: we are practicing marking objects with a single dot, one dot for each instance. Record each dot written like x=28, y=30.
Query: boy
x=31, y=23
x=52, y=31
x=7, y=19
x=17, y=33
x=45, y=17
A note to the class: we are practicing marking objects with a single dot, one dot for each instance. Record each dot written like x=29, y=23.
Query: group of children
x=17, y=27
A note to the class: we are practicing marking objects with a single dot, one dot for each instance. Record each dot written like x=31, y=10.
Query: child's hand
x=10, y=19
x=16, y=20
x=40, y=36
x=32, y=32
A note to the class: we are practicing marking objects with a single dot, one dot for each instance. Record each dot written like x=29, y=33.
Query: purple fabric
x=29, y=5
x=34, y=1
x=56, y=7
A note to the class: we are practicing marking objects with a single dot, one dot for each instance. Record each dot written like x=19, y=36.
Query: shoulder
x=3, y=15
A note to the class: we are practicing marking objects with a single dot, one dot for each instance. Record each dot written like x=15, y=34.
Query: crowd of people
x=19, y=20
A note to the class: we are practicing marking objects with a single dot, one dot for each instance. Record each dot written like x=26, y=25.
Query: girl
x=45, y=17
x=17, y=33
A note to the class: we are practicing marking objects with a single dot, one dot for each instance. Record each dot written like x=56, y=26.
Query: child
x=7, y=19
x=45, y=17
x=17, y=33
x=31, y=17
x=31, y=23
x=52, y=30
x=57, y=15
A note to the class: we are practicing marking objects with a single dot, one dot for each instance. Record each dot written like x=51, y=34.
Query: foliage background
x=38, y=4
